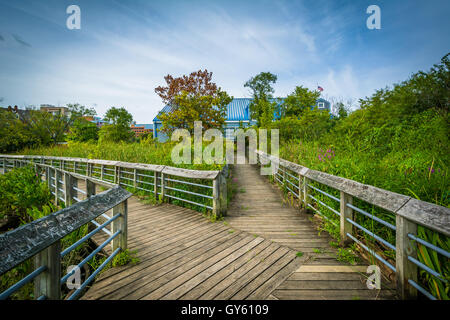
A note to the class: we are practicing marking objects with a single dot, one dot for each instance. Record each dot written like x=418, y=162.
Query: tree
x=83, y=130
x=262, y=90
x=193, y=98
x=198, y=83
x=51, y=128
x=119, y=128
x=298, y=101
x=14, y=134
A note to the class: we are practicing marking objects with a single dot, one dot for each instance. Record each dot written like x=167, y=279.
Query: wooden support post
x=48, y=177
x=87, y=169
x=306, y=199
x=223, y=194
x=4, y=165
x=300, y=189
x=120, y=224
x=57, y=175
x=102, y=170
x=134, y=177
x=90, y=188
x=155, y=180
x=405, y=247
x=345, y=212
x=48, y=282
x=216, y=194
x=68, y=189
x=119, y=172
x=163, y=182
x=75, y=166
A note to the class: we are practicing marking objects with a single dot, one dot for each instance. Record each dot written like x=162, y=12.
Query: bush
x=22, y=189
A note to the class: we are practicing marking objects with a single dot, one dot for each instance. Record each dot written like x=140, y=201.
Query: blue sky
x=125, y=48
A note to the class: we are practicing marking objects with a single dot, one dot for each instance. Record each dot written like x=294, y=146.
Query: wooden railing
x=41, y=238
x=197, y=188
x=303, y=183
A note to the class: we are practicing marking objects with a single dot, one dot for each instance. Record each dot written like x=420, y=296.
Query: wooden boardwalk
x=184, y=256
x=258, y=208
x=252, y=255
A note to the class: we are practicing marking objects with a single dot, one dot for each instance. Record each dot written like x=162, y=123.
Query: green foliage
x=310, y=126
x=261, y=107
x=187, y=108
x=22, y=190
x=347, y=255
x=119, y=129
x=83, y=131
x=298, y=101
x=13, y=133
x=123, y=258
x=34, y=127
x=398, y=141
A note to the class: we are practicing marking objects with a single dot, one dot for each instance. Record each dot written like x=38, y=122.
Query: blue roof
x=237, y=110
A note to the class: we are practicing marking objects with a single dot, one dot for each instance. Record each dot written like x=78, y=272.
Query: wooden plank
x=245, y=279
x=212, y=282
x=251, y=289
x=334, y=294
x=335, y=268
x=190, y=273
x=129, y=279
x=205, y=274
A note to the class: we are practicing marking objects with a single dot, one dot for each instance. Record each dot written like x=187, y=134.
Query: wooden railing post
x=87, y=169
x=155, y=180
x=220, y=195
x=216, y=193
x=134, y=178
x=300, y=189
x=4, y=165
x=306, y=199
x=48, y=282
x=90, y=188
x=121, y=224
x=163, y=182
x=48, y=176
x=117, y=175
x=68, y=189
x=345, y=212
x=223, y=194
x=405, y=247
x=57, y=175
x=102, y=170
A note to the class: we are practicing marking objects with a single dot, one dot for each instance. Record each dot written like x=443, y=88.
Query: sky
x=124, y=49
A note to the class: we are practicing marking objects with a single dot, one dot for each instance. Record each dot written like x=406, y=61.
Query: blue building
x=238, y=114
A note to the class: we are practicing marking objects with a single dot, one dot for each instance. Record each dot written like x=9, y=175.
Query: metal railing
x=41, y=239
x=405, y=214
x=199, y=189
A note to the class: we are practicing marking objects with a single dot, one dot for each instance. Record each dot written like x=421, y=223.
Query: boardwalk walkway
x=259, y=208
x=252, y=255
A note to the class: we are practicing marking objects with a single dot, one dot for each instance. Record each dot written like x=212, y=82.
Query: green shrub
x=22, y=189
